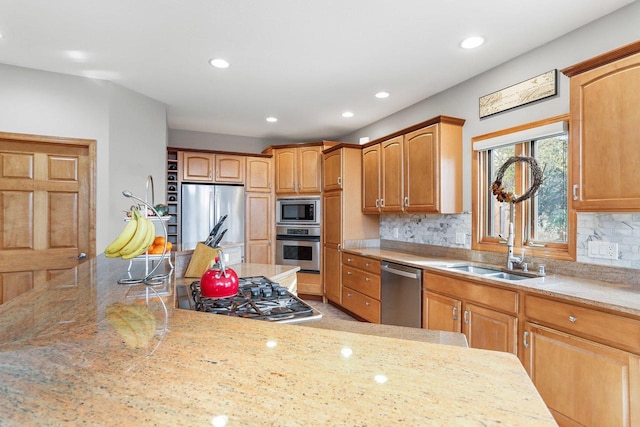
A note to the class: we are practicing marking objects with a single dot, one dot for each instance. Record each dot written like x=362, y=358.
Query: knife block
x=202, y=258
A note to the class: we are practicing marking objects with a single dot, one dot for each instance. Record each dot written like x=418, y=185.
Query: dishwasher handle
x=390, y=269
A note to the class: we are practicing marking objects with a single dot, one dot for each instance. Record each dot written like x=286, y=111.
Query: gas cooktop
x=257, y=298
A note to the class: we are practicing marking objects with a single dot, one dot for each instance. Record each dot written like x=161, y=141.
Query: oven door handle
x=298, y=238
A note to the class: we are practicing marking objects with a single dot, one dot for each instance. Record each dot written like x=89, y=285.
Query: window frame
x=482, y=193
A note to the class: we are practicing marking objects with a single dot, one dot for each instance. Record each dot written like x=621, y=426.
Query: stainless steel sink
x=475, y=269
x=507, y=276
x=488, y=272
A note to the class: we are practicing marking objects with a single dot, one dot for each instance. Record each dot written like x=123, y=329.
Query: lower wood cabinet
x=582, y=382
x=473, y=309
x=583, y=361
x=259, y=228
x=361, y=286
x=309, y=283
x=360, y=304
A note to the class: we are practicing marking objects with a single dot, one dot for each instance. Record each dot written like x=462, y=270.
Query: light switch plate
x=604, y=250
x=461, y=238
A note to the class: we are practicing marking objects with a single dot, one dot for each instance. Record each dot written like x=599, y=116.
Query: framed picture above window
x=544, y=225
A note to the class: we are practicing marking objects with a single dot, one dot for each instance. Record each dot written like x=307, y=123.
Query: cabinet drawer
x=361, y=262
x=360, y=304
x=496, y=298
x=361, y=281
x=621, y=331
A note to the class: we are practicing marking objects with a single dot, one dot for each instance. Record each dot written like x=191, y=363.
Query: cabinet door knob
x=366, y=264
x=575, y=192
x=367, y=303
x=406, y=201
x=348, y=273
x=573, y=319
x=349, y=259
x=348, y=295
x=455, y=313
x=377, y=203
x=339, y=180
x=466, y=317
x=367, y=279
x=525, y=341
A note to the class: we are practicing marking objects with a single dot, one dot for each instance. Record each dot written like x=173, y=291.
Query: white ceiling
x=302, y=61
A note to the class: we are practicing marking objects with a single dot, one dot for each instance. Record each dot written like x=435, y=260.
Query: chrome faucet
x=511, y=258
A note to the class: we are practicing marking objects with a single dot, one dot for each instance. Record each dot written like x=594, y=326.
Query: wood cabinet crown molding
x=417, y=126
x=603, y=59
x=231, y=153
x=324, y=143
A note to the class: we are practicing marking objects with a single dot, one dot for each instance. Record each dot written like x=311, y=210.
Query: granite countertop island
x=85, y=350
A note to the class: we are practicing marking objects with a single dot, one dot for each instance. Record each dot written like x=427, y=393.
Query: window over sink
x=544, y=225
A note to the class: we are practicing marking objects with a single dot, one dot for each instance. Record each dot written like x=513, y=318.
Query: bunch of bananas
x=135, y=238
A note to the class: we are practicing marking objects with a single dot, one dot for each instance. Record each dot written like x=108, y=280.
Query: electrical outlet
x=395, y=232
x=461, y=238
x=604, y=250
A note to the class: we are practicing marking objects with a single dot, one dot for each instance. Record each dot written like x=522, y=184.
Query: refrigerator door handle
x=212, y=213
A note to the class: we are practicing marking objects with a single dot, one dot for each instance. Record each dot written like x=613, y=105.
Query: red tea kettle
x=219, y=281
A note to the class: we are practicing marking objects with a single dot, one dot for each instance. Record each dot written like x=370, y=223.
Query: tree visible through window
x=543, y=222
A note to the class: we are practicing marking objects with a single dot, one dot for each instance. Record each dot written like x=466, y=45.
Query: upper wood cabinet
x=371, y=179
x=332, y=171
x=605, y=124
x=229, y=169
x=210, y=167
x=418, y=169
x=259, y=176
x=298, y=170
x=391, y=169
x=197, y=166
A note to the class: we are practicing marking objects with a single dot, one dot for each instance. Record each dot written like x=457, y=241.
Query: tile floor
x=329, y=311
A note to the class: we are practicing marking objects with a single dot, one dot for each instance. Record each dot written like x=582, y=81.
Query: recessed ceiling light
x=347, y=114
x=472, y=42
x=382, y=95
x=272, y=119
x=219, y=63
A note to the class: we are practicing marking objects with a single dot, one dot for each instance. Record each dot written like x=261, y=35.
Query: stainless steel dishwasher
x=401, y=295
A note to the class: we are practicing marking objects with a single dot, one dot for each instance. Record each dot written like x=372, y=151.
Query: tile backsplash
x=446, y=230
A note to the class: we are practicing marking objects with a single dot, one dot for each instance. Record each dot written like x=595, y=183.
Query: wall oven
x=298, y=245
x=298, y=210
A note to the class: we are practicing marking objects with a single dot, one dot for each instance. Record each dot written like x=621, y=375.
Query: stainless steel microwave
x=298, y=210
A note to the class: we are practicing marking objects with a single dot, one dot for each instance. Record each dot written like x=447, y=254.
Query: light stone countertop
x=67, y=359
x=609, y=296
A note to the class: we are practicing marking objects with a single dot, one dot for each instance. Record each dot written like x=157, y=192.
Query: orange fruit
x=159, y=240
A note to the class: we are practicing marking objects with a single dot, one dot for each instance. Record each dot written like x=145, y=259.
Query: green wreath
x=506, y=196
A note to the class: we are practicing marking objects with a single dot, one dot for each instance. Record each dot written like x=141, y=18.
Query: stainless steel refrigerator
x=202, y=206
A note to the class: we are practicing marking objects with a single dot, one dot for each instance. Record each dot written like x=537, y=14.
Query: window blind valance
x=530, y=134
